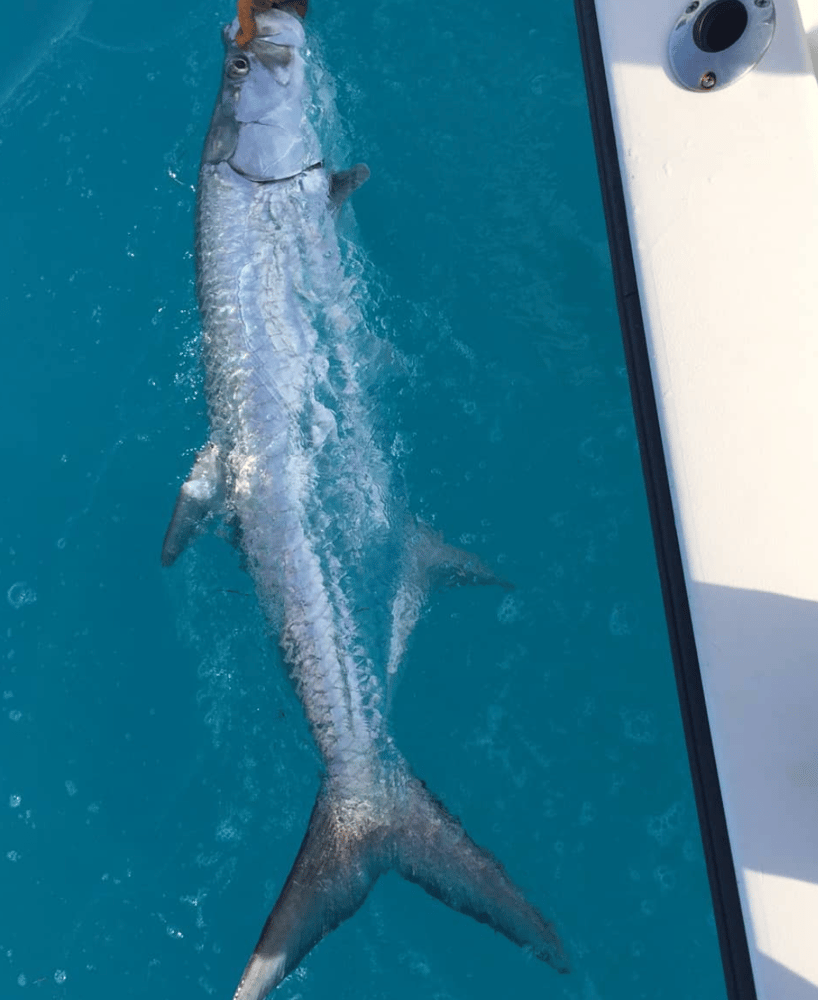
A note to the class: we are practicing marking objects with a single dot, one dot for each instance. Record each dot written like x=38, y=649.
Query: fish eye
x=237, y=67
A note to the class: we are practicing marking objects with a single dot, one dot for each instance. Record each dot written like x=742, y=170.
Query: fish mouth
x=255, y=16
x=273, y=27
x=261, y=7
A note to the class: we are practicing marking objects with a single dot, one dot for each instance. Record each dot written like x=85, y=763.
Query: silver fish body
x=293, y=463
x=305, y=482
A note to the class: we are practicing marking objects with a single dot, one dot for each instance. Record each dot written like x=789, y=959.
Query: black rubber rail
x=726, y=905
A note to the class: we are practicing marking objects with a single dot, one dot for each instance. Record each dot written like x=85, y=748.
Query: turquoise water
x=156, y=772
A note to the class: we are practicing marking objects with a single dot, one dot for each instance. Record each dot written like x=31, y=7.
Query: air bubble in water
x=509, y=610
x=20, y=593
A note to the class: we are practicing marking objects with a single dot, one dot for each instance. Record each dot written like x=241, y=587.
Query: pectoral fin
x=201, y=495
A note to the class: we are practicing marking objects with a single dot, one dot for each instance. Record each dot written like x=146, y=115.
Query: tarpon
x=294, y=468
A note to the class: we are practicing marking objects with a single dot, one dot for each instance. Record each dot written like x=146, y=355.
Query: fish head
x=260, y=125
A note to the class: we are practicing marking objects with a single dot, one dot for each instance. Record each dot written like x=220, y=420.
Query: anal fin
x=430, y=563
x=444, y=565
x=201, y=495
x=344, y=182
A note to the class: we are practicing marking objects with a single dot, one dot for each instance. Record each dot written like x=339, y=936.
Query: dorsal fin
x=201, y=495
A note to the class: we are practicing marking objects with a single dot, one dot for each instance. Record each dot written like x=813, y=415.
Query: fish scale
x=340, y=569
x=260, y=390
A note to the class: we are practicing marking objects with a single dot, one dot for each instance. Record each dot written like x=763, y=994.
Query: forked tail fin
x=350, y=842
x=435, y=851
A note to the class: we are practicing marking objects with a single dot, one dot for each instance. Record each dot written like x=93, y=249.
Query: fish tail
x=339, y=861
x=436, y=853
x=350, y=842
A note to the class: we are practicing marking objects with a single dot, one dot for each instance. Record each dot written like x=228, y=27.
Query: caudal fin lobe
x=436, y=853
x=350, y=842
x=339, y=861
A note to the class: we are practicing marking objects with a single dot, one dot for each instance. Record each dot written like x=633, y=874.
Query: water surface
x=157, y=773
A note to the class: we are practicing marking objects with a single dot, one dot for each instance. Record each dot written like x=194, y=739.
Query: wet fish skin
x=341, y=571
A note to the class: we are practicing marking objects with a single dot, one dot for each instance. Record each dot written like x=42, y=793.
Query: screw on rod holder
x=715, y=42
